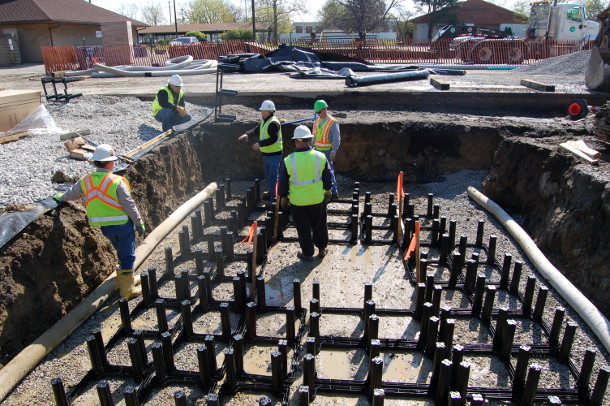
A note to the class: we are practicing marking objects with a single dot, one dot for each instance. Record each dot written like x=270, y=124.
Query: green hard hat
x=319, y=105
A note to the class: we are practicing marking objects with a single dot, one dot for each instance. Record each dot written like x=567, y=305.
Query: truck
x=553, y=29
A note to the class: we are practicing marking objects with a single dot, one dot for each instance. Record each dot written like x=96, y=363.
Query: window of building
x=298, y=29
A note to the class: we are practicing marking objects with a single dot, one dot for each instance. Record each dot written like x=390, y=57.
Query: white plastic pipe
x=108, y=71
x=587, y=310
x=26, y=360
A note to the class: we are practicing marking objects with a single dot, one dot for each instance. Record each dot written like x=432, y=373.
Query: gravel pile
x=27, y=165
x=571, y=64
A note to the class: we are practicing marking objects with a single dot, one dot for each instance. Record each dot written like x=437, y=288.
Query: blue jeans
x=271, y=167
x=123, y=239
x=169, y=118
x=326, y=153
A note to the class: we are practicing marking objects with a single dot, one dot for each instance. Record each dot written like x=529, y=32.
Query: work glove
x=285, y=203
x=57, y=197
x=331, y=157
x=181, y=111
x=141, y=229
x=327, y=196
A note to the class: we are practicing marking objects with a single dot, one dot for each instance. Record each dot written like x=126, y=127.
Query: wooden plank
x=582, y=146
x=532, y=84
x=14, y=137
x=579, y=153
x=149, y=143
x=439, y=84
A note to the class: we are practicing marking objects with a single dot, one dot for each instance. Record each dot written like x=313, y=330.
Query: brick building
x=471, y=12
x=37, y=23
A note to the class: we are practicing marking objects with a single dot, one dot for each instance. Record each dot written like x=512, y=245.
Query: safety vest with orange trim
x=103, y=207
x=322, y=143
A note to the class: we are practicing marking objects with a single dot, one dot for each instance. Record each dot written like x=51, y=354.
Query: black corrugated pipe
x=354, y=81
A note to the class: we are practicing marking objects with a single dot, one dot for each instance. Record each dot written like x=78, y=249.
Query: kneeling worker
x=304, y=184
x=168, y=107
x=110, y=206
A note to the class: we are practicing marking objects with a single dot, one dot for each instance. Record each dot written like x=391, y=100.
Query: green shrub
x=237, y=34
x=197, y=34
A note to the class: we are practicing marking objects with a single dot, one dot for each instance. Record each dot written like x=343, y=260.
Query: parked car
x=184, y=41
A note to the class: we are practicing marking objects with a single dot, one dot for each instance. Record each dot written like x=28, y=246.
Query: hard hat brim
x=303, y=137
x=110, y=158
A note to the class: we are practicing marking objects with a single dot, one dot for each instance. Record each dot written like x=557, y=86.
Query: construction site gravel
x=116, y=111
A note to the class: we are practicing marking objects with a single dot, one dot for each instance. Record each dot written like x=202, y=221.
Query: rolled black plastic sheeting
x=354, y=81
x=11, y=224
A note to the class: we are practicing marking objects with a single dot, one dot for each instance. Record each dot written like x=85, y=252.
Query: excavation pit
x=445, y=151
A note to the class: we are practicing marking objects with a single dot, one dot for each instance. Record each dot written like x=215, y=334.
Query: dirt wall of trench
x=565, y=205
x=421, y=148
x=58, y=259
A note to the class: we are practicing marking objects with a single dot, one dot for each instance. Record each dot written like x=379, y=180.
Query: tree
x=594, y=8
x=438, y=10
x=128, y=10
x=356, y=15
x=211, y=12
x=275, y=15
x=522, y=9
x=153, y=14
x=403, y=24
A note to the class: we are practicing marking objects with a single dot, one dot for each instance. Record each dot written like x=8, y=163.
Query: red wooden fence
x=444, y=52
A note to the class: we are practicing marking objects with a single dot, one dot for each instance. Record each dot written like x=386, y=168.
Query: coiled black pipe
x=354, y=81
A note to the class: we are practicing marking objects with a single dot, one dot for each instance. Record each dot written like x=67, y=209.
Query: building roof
x=472, y=11
x=205, y=28
x=58, y=11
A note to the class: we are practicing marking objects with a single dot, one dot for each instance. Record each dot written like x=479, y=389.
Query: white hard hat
x=103, y=153
x=267, y=105
x=175, y=80
x=302, y=132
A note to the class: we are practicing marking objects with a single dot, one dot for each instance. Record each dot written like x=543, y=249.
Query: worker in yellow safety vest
x=168, y=107
x=269, y=142
x=109, y=205
x=327, y=138
x=304, y=186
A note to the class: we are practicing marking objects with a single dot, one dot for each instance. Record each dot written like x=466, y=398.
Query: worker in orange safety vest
x=327, y=139
x=109, y=205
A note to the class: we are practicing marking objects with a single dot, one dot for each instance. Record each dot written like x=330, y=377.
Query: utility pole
x=169, y=7
x=253, y=22
x=175, y=19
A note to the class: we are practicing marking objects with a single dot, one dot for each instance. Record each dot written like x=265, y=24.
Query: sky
x=313, y=6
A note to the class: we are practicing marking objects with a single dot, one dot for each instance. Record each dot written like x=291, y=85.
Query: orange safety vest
x=321, y=133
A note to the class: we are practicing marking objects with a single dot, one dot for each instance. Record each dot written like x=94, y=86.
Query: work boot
x=321, y=252
x=304, y=257
x=126, y=284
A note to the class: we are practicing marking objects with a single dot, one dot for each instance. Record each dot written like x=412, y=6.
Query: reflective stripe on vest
x=305, y=177
x=263, y=134
x=101, y=201
x=322, y=133
x=156, y=107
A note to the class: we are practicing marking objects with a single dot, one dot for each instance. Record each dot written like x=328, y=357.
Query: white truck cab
x=561, y=21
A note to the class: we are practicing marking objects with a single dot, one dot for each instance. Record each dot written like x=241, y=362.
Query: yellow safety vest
x=322, y=143
x=263, y=135
x=156, y=107
x=305, y=177
x=103, y=207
